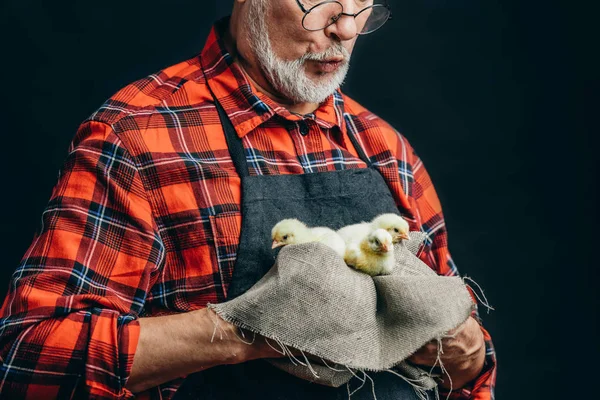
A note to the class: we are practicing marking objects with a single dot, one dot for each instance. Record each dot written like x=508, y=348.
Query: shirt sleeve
x=68, y=326
x=429, y=215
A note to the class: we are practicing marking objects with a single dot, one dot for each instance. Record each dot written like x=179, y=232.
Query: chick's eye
x=377, y=242
x=285, y=237
x=396, y=230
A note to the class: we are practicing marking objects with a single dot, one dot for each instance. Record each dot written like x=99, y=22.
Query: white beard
x=289, y=78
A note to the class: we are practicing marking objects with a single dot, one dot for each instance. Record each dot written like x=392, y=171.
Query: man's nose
x=344, y=28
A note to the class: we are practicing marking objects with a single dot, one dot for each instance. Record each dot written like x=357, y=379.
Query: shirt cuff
x=113, y=340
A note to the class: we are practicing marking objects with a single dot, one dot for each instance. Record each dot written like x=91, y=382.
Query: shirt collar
x=245, y=106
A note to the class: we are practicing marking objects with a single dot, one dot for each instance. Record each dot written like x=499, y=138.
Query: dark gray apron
x=332, y=199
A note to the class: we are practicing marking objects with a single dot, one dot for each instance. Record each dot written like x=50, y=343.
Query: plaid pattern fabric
x=145, y=220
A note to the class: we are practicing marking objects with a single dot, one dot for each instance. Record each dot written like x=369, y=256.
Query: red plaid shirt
x=145, y=220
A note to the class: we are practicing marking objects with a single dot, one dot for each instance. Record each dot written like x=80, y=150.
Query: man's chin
x=311, y=88
x=326, y=79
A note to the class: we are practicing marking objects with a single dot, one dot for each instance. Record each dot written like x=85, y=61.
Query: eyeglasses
x=327, y=13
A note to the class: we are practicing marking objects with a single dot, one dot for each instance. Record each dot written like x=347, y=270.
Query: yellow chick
x=292, y=231
x=394, y=224
x=355, y=232
x=373, y=255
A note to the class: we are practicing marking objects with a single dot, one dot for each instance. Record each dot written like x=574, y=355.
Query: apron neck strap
x=234, y=143
x=359, y=149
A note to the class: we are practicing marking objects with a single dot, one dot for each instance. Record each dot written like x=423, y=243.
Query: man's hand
x=463, y=354
x=177, y=345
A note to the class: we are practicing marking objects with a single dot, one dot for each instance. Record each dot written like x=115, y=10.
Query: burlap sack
x=312, y=301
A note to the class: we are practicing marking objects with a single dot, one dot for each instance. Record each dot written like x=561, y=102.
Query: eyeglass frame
x=306, y=12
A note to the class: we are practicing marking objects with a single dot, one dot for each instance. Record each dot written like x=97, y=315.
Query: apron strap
x=361, y=152
x=234, y=143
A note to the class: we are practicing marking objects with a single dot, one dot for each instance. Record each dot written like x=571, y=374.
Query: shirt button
x=303, y=128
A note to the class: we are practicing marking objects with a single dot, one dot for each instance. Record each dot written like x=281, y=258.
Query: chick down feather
x=293, y=231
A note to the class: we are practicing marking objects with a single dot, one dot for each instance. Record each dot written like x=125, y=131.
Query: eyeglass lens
x=320, y=16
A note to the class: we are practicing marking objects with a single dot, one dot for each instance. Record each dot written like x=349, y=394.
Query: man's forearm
x=174, y=346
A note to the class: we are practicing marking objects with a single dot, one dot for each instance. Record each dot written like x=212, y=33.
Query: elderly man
x=146, y=224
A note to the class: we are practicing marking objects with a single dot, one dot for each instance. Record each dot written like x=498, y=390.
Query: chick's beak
x=276, y=244
x=384, y=248
x=404, y=236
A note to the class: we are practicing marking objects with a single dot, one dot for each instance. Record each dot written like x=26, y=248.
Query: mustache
x=335, y=50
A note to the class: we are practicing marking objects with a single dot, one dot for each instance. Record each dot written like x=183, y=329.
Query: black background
x=495, y=96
